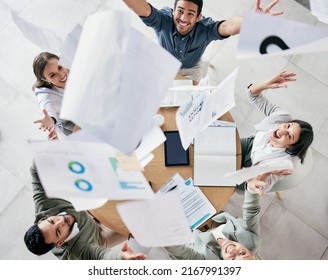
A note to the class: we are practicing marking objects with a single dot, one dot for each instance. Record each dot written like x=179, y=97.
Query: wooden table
x=158, y=174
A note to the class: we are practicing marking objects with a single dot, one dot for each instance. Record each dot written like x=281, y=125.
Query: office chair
x=300, y=172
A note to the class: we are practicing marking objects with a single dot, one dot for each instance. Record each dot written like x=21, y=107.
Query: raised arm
x=259, y=100
x=232, y=25
x=140, y=7
x=251, y=212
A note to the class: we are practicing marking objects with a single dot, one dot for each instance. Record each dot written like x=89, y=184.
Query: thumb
x=125, y=247
x=45, y=112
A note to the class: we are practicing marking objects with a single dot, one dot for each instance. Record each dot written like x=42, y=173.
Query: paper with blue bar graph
x=198, y=209
x=74, y=169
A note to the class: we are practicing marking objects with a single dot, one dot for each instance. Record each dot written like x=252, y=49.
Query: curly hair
x=35, y=242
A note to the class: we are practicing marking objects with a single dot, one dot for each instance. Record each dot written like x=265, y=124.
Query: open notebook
x=215, y=155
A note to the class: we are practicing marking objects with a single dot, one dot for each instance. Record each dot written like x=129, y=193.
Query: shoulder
x=40, y=90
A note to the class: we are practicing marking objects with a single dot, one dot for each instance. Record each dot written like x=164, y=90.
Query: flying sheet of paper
x=279, y=36
x=196, y=115
x=53, y=40
x=117, y=81
x=164, y=213
x=68, y=49
x=45, y=38
x=73, y=169
x=245, y=174
x=153, y=137
x=196, y=206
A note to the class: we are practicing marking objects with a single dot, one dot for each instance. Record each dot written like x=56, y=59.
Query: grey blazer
x=245, y=231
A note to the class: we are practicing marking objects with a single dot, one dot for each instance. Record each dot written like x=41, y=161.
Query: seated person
x=185, y=33
x=278, y=137
x=234, y=239
x=79, y=235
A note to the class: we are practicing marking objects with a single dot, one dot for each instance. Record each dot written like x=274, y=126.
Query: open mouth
x=183, y=24
x=228, y=248
x=276, y=134
x=63, y=80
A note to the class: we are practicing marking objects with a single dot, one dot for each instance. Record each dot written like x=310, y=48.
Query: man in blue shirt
x=185, y=33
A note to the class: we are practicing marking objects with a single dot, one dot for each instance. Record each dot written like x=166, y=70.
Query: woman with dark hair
x=49, y=88
x=278, y=137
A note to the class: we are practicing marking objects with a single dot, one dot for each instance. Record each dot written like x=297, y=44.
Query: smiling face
x=285, y=135
x=56, y=229
x=185, y=16
x=234, y=251
x=55, y=73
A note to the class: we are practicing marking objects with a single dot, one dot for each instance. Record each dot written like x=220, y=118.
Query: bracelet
x=55, y=121
x=249, y=87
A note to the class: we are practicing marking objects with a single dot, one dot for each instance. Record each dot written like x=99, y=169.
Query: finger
x=37, y=121
x=277, y=13
x=45, y=112
x=257, y=5
x=261, y=184
x=125, y=247
x=271, y=5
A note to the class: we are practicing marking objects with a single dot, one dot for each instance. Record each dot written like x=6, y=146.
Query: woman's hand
x=266, y=10
x=47, y=122
x=283, y=172
x=278, y=81
x=52, y=135
x=256, y=185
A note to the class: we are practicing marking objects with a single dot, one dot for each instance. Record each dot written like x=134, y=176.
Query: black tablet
x=174, y=153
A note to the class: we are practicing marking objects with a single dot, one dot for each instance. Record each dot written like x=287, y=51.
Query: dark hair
x=199, y=3
x=39, y=63
x=306, y=137
x=35, y=242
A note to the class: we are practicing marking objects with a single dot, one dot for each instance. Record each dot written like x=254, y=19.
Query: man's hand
x=47, y=122
x=266, y=10
x=128, y=254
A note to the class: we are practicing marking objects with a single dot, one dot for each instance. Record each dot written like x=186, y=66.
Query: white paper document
x=247, y=173
x=196, y=206
x=117, y=81
x=74, y=169
x=182, y=92
x=45, y=38
x=214, y=156
x=157, y=222
x=279, y=36
x=196, y=115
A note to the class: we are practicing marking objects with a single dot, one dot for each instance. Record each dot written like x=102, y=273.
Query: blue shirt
x=189, y=48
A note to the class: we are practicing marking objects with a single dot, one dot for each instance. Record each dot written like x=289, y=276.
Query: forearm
x=140, y=7
x=260, y=101
x=251, y=212
x=230, y=26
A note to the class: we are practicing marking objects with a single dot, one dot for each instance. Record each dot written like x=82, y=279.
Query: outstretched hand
x=267, y=10
x=47, y=122
x=257, y=186
x=278, y=81
x=128, y=254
